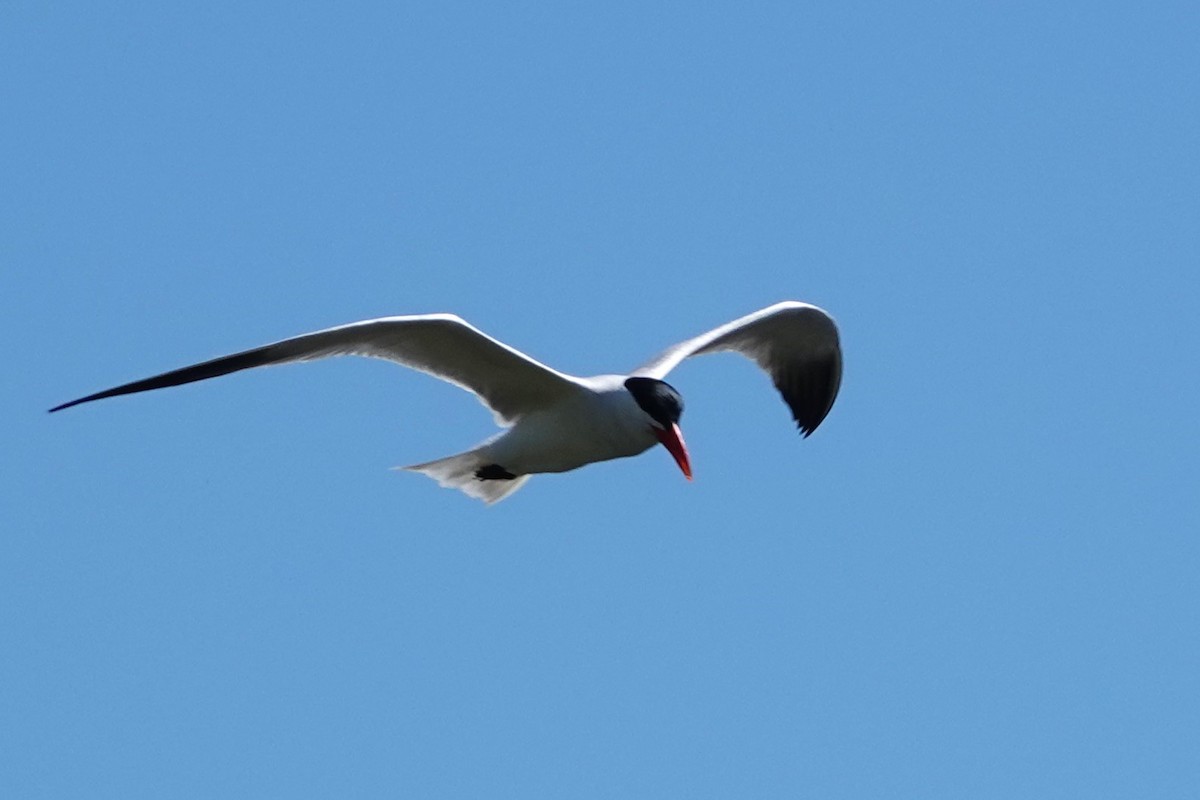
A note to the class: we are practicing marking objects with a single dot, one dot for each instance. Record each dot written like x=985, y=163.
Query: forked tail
x=459, y=472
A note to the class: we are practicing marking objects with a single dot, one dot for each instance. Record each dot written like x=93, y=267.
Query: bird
x=554, y=422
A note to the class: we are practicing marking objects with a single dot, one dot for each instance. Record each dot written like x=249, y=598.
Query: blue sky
x=977, y=579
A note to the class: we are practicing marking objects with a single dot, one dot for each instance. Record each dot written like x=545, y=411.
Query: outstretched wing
x=443, y=345
x=795, y=343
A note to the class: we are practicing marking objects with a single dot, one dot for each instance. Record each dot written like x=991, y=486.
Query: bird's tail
x=458, y=472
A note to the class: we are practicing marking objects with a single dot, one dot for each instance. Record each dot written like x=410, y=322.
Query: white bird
x=556, y=422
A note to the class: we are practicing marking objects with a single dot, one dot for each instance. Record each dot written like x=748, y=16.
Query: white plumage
x=555, y=422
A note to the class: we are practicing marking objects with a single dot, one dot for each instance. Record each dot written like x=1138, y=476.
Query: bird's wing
x=443, y=345
x=795, y=343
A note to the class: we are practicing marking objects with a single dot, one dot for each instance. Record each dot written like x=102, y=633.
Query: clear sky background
x=978, y=579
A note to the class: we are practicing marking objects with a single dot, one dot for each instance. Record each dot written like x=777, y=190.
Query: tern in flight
x=556, y=422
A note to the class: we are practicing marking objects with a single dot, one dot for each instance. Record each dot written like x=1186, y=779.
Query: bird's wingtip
x=71, y=404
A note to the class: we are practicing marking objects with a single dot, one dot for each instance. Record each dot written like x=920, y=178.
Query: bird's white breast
x=596, y=425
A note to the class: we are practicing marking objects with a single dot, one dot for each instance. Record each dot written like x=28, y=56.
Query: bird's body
x=600, y=423
x=556, y=422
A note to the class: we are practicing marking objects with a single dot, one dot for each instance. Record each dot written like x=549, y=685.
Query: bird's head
x=663, y=406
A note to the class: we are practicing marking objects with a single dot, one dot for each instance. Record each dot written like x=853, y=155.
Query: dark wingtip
x=90, y=397
x=810, y=391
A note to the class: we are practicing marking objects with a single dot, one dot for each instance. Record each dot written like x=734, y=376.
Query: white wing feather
x=443, y=345
x=795, y=343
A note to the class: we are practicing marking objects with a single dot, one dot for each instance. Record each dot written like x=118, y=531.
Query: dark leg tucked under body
x=494, y=472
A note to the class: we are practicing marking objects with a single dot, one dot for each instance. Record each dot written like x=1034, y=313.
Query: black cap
x=657, y=398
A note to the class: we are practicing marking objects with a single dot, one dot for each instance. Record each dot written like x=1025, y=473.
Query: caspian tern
x=556, y=422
